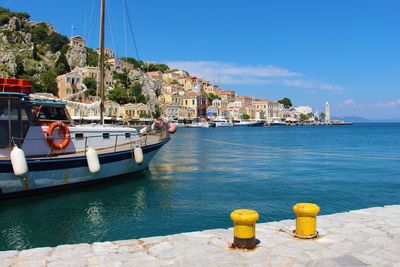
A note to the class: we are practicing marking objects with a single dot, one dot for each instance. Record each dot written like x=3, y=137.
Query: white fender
x=93, y=160
x=18, y=161
x=138, y=152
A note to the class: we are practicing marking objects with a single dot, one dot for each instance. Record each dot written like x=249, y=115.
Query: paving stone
x=34, y=254
x=77, y=262
x=159, y=248
x=8, y=254
x=30, y=263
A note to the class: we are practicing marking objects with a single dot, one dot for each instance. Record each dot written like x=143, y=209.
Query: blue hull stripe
x=75, y=162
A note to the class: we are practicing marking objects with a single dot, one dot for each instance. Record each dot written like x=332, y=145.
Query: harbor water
x=198, y=178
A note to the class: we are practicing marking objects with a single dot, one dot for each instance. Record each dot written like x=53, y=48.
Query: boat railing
x=142, y=141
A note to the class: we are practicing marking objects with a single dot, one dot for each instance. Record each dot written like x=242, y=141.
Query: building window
x=106, y=135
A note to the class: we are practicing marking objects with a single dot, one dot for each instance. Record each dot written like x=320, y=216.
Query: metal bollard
x=306, y=220
x=244, y=222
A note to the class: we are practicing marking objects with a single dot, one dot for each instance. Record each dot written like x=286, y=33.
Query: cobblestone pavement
x=368, y=237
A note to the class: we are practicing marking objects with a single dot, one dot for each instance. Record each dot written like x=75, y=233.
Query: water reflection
x=16, y=236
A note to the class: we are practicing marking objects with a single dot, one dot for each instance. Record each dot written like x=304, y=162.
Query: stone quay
x=367, y=237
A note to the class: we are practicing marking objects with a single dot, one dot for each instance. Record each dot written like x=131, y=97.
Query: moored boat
x=53, y=152
x=222, y=122
x=247, y=123
x=277, y=123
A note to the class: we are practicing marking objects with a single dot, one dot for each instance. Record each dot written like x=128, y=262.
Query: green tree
x=118, y=94
x=211, y=97
x=245, y=116
x=304, y=117
x=92, y=57
x=39, y=33
x=35, y=55
x=122, y=78
x=136, y=93
x=91, y=85
x=287, y=103
x=48, y=82
x=62, y=66
x=6, y=14
x=155, y=67
x=137, y=64
x=20, y=71
x=56, y=41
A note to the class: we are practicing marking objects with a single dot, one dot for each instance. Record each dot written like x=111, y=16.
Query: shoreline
x=356, y=238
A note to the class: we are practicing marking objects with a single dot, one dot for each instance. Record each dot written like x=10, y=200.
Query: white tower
x=327, y=114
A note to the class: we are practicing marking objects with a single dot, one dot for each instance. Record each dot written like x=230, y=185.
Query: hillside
x=36, y=51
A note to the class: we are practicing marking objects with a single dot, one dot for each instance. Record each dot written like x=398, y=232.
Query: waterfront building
x=171, y=88
x=227, y=95
x=155, y=75
x=246, y=100
x=134, y=111
x=275, y=111
x=211, y=89
x=172, y=77
x=94, y=72
x=108, y=52
x=187, y=112
x=304, y=109
x=77, y=41
x=189, y=100
x=112, y=109
x=327, y=113
x=212, y=112
x=69, y=84
x=170, y=110
x=121, y=64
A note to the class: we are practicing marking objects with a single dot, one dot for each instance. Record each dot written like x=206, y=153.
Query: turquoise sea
x=198, y=178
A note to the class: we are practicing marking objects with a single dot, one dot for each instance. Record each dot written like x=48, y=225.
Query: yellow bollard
x=306, y=220
x=244, y=222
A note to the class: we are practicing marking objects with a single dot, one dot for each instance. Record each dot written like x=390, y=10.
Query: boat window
x=78, y=136
x=106, y=135
x=4, y=122
x=52, y=113
x=128, y=135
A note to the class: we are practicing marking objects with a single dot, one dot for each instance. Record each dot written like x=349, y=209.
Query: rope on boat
x=367, y=157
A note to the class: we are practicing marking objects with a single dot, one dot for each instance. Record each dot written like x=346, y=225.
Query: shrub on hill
x=6, y=15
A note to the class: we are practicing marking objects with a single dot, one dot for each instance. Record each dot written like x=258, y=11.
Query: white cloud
x=235, y=74
x=350, y=103
x=390, y=104
x=302, y=83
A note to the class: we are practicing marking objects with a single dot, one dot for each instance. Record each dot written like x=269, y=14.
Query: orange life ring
x=67, y=135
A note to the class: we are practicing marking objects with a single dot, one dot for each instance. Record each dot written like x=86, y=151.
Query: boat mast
x=102, y=62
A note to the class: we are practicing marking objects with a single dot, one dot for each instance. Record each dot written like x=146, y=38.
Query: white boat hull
x=45, y=176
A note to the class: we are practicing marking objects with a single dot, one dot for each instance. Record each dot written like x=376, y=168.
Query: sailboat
x=42, y=149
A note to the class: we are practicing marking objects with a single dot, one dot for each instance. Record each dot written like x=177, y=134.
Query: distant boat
x=277, y=123
x=340, y=122
x=247, y=123
x=198, y=124
x=222, y=122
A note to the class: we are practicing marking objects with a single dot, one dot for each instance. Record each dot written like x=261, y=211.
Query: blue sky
x=346, y=52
